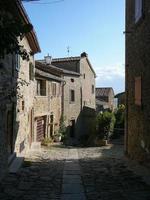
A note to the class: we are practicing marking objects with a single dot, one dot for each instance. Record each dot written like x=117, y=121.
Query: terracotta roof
x=70, y=63
x=77, y=58
x=48, y=68
x=53, y=69
x=103, y=91
x=40, y=73
x=31, y=36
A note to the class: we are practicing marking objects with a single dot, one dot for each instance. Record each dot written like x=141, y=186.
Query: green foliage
x=62, y=128
x=12, y=28
x=105, y=124
x=46, y=141
x=120, y=116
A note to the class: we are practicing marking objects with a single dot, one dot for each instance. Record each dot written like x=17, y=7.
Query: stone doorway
x=72, y=128
x=51, y=125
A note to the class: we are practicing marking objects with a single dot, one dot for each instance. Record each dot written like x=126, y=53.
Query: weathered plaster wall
x=26, y=93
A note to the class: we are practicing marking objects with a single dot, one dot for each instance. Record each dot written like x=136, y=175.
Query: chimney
x=84, y=54
x=48, y=59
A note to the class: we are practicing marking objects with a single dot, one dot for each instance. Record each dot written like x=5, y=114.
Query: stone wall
x=87, y=80
x=84, y=97
x=72, y=109
x=137, y=65
x=49, y=105
x=26, y=91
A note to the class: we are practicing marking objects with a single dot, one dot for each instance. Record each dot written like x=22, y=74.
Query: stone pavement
x=39, y=179
x=106, y=175
x=72, y=187
x=59, y=173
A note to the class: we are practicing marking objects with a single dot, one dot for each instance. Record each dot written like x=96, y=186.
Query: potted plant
x=57, y=136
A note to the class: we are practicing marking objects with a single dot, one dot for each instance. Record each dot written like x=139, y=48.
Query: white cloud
x=111, y=76
x=110, y=72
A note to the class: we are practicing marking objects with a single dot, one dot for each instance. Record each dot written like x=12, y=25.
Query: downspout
x=62, y=99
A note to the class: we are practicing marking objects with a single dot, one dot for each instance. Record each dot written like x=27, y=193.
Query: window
x=53, y=89
x=22, y=105
x=17, y=61
x=92, y=89
x=72, y=80
x=31, y=71
x=41, y=87
x=84, y=76
x=138, y=9
x=138, y=93
x=72, y=95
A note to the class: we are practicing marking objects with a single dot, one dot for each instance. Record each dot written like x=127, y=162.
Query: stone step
x=35, y=146
x=16, y=165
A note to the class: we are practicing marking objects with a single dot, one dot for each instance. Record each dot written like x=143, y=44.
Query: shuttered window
x=31, y=71
x=54, y=88
x=138, y=91
x=41, y=87
x=138, y=9
x=17, y=61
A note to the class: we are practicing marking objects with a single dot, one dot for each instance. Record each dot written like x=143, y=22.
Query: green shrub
x=105, y=124
x=120, y=116
x=62, y=128
x=46, y=141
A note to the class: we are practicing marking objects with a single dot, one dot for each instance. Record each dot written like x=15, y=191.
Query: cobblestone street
x=39, y=179
x=106, y=175
x=94, y=173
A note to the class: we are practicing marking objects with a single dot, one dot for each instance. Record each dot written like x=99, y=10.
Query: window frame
x=54, y=89
x=39, y=89
x=31, y=71
x=138, y=13
x=17, y=62
x=72, y=96
x=93, y=91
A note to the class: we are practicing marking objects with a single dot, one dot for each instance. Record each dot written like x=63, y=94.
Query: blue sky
x=94, y=26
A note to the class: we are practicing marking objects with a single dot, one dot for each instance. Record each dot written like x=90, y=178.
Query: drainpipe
x=62, y=99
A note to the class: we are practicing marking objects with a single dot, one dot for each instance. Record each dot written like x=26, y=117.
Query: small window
x=17, y=61
x=84, y=76
x=53, y=89
x=138, y=10
x=72, y=80
x=92, y=89
x=31, y=71
x=41, y=87
x=72, y=95
x=22, y=105
x=138, y=93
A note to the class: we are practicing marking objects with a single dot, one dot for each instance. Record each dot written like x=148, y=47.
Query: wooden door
x=40, y=129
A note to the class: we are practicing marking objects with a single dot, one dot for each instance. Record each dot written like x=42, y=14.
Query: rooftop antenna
x=68, y=50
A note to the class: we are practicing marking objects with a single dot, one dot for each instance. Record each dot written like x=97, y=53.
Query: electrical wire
x=49, y=2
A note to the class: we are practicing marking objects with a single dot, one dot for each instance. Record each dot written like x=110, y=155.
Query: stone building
x=17, y=89
x=120, y=98
x=78, y=93
x=48, y=101
x=138, y=79
x=104, y=98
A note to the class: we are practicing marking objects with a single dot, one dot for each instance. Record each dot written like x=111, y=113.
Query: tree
x=12, y=29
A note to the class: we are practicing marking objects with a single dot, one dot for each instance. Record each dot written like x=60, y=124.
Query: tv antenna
x=68, y=50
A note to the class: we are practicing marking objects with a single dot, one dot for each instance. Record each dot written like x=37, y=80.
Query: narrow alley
x=58, y=172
